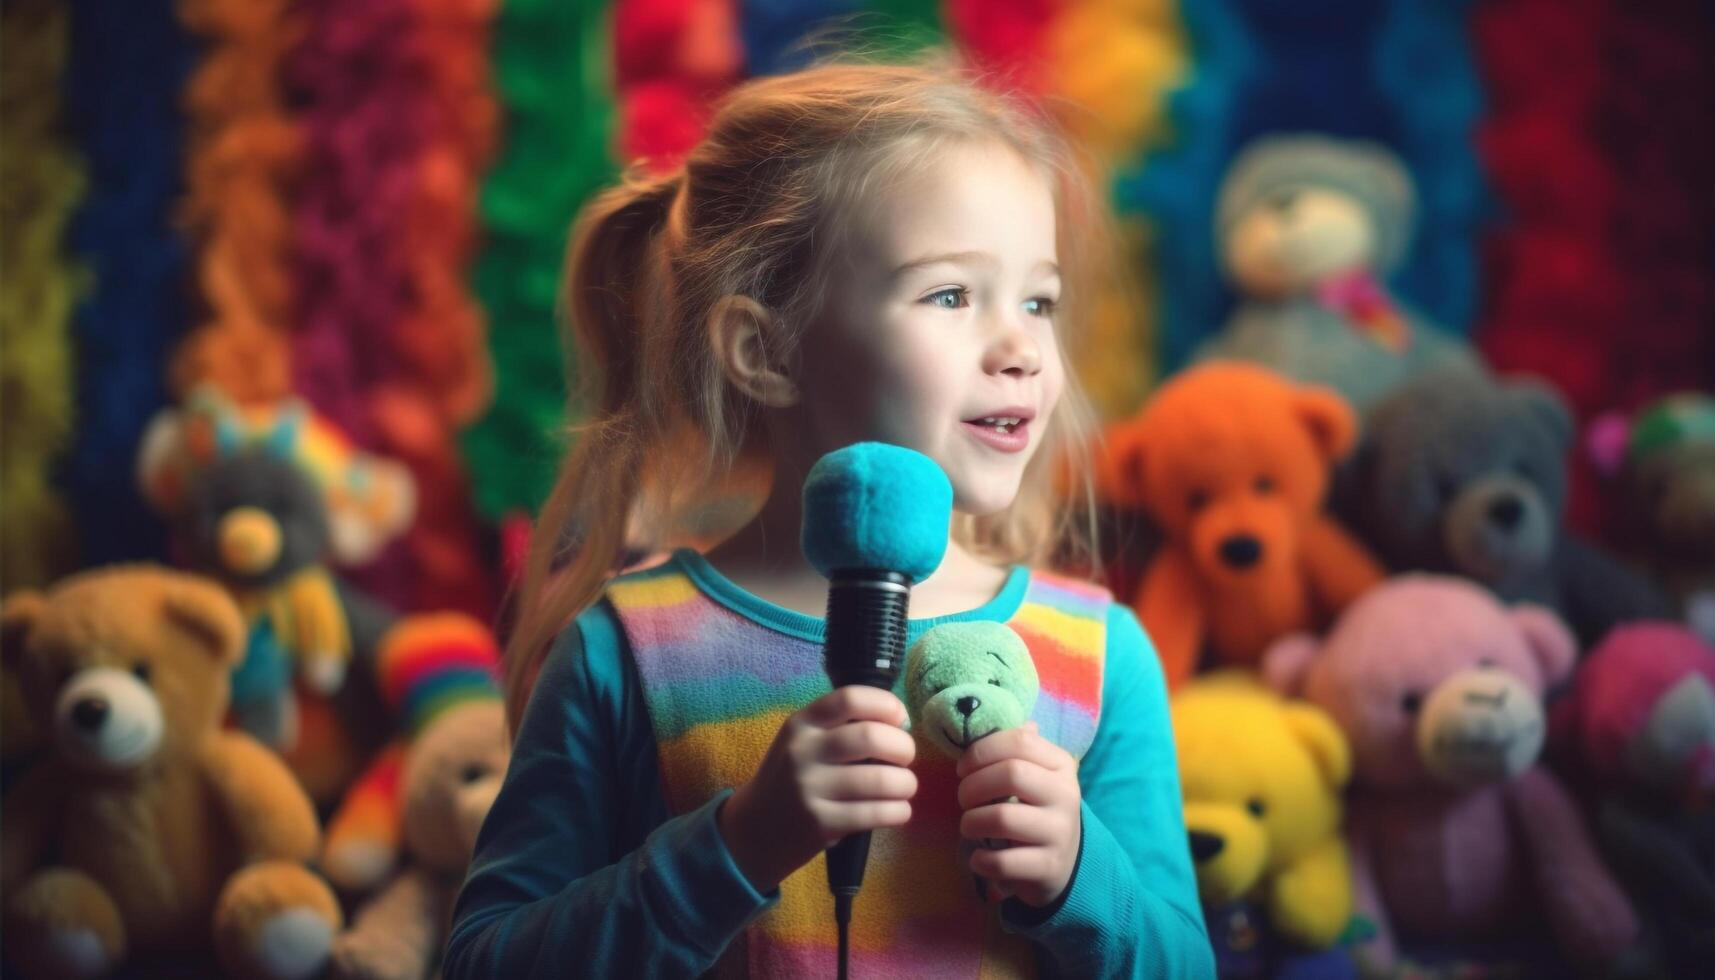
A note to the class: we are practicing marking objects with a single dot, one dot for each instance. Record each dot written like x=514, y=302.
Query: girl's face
x=938, y=332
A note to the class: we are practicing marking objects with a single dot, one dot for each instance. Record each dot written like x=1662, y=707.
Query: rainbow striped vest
x=718, y=685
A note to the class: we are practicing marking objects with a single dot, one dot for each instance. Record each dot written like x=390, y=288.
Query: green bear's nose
x=967, y=705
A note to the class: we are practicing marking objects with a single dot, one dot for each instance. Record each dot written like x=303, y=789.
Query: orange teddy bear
x=1232, y=461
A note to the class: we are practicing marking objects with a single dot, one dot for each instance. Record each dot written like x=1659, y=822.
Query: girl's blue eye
x=951, y=298
x=1039, y=306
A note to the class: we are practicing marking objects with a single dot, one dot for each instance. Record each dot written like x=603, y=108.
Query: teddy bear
x=425, y=665
x=1455, y=827
x=1308, y=227
x=1262, y=779
x=1665, y=461
x=150, y=829
x=262, y=498
x=1639, y=724
x=1232, y=462
x=964, y=682
x=448, y=774
x=1466, y=475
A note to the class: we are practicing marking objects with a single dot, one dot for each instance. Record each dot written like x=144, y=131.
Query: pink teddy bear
x=1454, y=827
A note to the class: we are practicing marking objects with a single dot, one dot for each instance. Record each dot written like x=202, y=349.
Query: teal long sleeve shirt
x=581, y=870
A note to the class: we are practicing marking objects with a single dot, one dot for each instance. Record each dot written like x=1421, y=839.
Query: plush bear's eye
x=1257, y=807
x=141, y=671
x=473, y=772
x=1410, y=701
x=1263, y=484
x=1197, y=499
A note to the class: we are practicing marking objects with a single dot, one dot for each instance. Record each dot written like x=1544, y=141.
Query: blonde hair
x=750, y=213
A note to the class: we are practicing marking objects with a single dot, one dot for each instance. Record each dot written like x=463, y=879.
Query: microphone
x=875, y=522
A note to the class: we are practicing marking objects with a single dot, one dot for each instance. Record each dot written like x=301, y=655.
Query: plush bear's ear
x=204, y=610
x=17, y=618
x=1551, y=644
x=1542, y=403
x=1327, y=744
x=379, y=503
x=1329, y=420
x=1286, y=664
x=1119, y=465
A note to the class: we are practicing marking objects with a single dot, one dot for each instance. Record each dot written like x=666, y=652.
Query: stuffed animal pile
x=170, y=736
x=1339, y=496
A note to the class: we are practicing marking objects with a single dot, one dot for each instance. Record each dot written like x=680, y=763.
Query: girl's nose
x=1014, y=352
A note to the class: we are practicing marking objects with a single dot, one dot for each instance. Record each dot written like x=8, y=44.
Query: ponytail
x=612, y=278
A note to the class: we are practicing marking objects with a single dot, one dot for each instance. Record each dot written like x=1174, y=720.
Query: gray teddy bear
x=1308, y=227
x=1462, y=474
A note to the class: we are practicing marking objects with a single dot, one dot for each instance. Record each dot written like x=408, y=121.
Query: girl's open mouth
x=1007, y=433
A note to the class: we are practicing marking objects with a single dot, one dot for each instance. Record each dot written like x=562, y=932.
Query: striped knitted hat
x=435, y=661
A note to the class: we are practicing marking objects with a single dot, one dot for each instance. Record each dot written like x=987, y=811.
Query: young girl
x=853, y=253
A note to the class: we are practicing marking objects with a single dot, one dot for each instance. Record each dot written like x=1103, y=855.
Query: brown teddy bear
x=150, y=829
x=1232, y=462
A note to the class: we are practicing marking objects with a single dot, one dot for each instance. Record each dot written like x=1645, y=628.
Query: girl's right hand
x=836, y=767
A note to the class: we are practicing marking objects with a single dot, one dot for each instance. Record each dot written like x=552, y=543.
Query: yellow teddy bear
x=1262, y=779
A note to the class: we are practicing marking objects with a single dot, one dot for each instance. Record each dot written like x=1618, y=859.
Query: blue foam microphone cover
x=876, y=506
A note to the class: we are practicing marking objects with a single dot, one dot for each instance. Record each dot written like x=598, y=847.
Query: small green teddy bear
x=967, y=680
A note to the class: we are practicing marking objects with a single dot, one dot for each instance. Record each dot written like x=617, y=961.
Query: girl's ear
x=741, y=333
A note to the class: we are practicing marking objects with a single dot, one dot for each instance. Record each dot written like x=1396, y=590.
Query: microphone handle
x=864, y=643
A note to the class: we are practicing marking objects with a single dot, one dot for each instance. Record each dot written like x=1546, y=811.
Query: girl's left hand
x=1044, y=822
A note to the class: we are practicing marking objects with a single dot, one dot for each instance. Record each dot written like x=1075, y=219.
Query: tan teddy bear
x=150, y=829
x=452, y=773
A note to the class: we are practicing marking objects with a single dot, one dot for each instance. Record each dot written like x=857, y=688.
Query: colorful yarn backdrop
x=40, y=182
x=125, y=77
x=366, y=203
x=242, y=151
